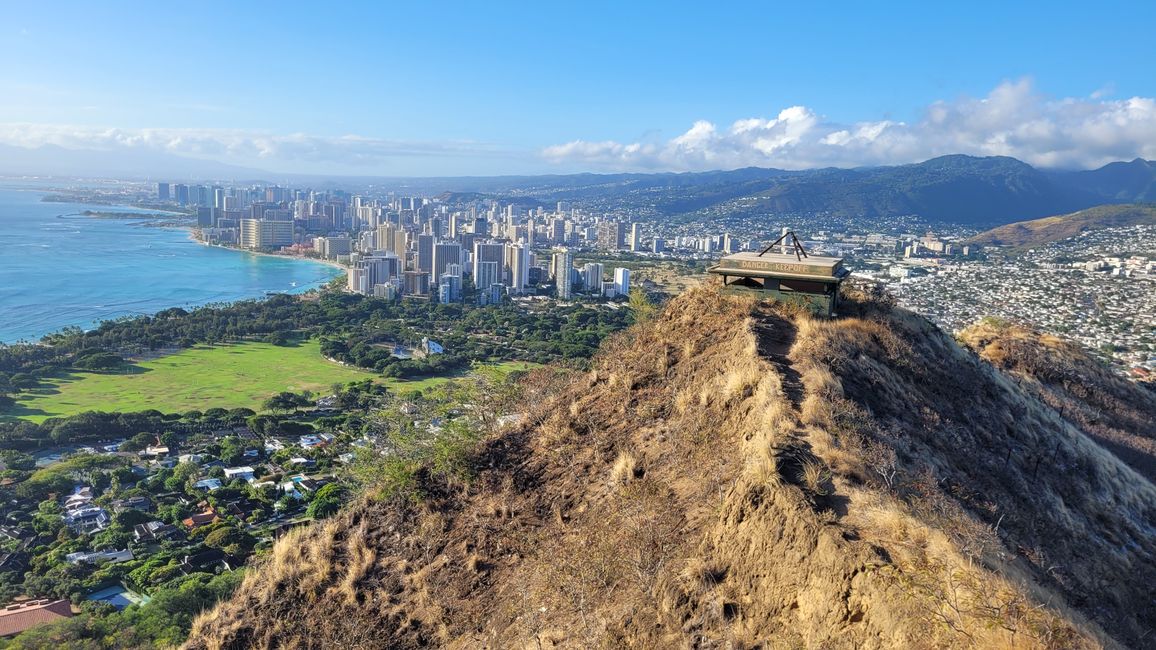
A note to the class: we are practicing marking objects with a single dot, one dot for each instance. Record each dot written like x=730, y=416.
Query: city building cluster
x=414, y=246
x=1097, y=289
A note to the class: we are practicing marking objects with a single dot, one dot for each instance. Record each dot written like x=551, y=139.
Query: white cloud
x=1012, y=120
x=239, y=146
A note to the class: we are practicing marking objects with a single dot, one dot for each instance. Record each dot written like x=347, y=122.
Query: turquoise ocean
x=58, y=268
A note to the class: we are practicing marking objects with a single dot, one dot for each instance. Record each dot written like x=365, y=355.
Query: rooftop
x=17, y=617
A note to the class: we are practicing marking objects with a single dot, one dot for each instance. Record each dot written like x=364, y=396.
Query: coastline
x=153, y=216
x=117, y=251
x=330, y=263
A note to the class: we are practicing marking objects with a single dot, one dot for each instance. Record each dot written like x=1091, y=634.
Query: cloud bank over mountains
x=1013, y=120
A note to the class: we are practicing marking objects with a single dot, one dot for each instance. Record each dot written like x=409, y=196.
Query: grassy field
x=226, y=376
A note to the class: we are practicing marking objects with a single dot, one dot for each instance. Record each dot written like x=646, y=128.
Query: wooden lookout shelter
x=790, y=275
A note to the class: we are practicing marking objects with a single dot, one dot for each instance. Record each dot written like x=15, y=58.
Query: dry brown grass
x=914, y=416
x=359, y=560
x=1114, y=412
x=624, y=469
x=816, y=477
x=888, y=510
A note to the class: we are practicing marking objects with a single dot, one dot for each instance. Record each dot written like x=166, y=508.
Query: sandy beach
x=332, y=263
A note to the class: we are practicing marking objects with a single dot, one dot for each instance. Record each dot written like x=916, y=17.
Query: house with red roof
x=17, y=617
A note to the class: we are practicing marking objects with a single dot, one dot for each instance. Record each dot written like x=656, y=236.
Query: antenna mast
x=794, y=243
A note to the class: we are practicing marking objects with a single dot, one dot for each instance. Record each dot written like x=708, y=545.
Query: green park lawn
x=226, y=376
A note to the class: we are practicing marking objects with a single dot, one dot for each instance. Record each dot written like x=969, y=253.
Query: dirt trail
x=776, y=336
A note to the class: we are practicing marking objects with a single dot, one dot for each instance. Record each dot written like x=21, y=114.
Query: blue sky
x=478, y=88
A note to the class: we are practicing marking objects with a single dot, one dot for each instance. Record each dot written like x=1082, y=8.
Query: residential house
x=155, y=531
x=241, y=508
x=87, y=519
x=15, y=562
x=290, y=489
x=78, y=499
x=154, y=451
x=140, y=503
x=99, y=557
x=14, y=533
x=210, y=560
x=205, y=518
x=18, y=617
x=243, y=473
x=300, y=485
x=311, y=441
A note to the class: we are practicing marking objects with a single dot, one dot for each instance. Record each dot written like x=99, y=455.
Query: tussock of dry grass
x=815, y=477
x=623, y=469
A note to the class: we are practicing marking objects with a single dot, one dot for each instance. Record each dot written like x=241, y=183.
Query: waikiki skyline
x=360, y=89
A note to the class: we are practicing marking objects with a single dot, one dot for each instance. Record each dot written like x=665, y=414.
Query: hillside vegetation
x=1037, y=232
x=1116, y=413
x=733, y=475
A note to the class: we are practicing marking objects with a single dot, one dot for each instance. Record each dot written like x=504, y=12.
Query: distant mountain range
x=956, y=188
x=1024, y=234
x=959, y=189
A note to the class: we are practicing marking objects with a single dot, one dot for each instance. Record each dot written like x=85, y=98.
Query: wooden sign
x=768, y=266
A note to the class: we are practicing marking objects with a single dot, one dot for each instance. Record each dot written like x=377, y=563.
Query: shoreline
x=193, y=230
x=283, y=256
x=47, y=319
x=330, y=263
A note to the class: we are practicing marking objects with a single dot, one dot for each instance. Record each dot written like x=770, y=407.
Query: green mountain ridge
x=956, y=188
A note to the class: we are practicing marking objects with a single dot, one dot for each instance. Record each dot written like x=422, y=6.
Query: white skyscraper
x=445, y=254
x=356, y=280
x=373, y=270
x=487, y=274
x=622, y=281
x=518, y=265
x=562, y=265
x=489, y=258
x=592, y=277
x=635, y=237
